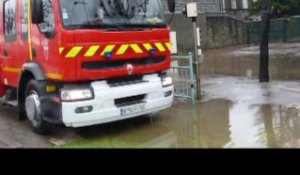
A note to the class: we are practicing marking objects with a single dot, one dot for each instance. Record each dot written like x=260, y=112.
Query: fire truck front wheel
x=32, y=107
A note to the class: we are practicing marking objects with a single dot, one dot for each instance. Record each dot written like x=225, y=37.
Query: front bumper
x=104, y=108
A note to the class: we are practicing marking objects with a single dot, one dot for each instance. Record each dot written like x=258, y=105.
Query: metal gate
x=293, y=29
x=182, y=73
x=287, y=30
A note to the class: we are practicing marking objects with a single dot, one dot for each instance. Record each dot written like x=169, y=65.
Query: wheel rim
x=32, y=108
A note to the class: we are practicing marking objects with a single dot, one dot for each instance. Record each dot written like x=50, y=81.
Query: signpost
x=192, y=12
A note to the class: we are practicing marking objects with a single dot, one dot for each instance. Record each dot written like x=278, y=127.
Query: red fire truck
x=84, y=62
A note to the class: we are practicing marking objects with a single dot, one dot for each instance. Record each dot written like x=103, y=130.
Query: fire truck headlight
x=167, y=81
x=76, y=95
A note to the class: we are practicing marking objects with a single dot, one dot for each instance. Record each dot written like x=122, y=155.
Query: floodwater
x=244, y=61
x=236, y=111
x=242, y=114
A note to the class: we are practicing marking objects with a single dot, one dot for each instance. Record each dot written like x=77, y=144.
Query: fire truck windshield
x=117, y=14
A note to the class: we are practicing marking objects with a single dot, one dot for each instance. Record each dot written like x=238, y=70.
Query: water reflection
x=205, y=126
x=132, y=133
x=267, y=115
x=212, y=124
x=223, y=124
x=244, y=127
x=287, y=127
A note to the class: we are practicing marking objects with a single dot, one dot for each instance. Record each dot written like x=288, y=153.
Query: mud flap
x=2, y=87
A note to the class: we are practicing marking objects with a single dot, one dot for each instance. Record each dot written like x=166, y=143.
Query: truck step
x=12, y=103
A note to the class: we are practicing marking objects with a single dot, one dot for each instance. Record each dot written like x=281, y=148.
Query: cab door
x=10, y=50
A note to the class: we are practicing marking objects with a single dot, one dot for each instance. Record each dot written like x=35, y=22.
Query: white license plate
x=132, y=109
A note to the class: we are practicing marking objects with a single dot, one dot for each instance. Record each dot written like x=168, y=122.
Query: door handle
x=5, y=52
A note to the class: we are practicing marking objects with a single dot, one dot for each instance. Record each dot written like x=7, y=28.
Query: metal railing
x=183, y=76
x=281, y=30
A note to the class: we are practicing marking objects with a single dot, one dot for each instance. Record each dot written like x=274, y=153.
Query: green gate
x=282, y=30
x=293, y=30
x=182, y=73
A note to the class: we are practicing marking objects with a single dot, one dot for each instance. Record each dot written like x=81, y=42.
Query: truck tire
x=32, y=107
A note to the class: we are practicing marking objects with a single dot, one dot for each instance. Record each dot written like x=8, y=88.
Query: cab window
x=49, y=22
x=9, y=18
x=24, y=20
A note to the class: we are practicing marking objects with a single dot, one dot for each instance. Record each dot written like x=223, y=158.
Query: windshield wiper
x=95, y=26
x=99, y=23
x=142, y=26
x=149, y=25
x=114, y=27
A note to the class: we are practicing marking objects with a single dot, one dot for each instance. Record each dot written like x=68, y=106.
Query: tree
x=272, y=8
x=264, y=43
x=280, y=8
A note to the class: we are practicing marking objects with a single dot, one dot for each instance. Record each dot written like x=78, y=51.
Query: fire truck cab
x=84, y=62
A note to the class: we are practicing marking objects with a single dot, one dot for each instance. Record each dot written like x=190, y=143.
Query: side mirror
x=49, y=32
x=37, y=11
x=171, y=5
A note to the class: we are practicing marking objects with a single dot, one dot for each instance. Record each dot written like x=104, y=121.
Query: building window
x=10, y=29
x=233, y=5
x=245, y=4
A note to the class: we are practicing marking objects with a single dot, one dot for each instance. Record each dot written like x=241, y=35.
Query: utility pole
x=196, y=58
x=264, y=41
x=192, y=12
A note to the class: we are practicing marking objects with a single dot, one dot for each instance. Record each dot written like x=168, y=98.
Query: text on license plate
x=132, y=109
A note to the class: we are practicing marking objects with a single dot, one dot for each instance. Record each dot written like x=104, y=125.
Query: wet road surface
x=245, y=115
x=15, y=134
x=236, y=112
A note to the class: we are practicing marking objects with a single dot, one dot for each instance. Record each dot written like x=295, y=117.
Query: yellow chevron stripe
x=61, y=49
x=123, y=49
x=147, y=46
x=54, y=76
x=169, y=46
x=108, y=48
x=136, y=48
x=92, y=51
x=160, y=47
x=74, y=52
x=12, y=69
x=51, y=88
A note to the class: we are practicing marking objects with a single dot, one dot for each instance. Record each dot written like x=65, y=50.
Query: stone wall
x=204, y=6
x=216, y=31
x=184, y=29
x=225, y=31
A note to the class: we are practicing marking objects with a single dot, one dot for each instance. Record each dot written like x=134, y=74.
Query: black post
x=285, y=34
x=196, y=59
x=264, y=42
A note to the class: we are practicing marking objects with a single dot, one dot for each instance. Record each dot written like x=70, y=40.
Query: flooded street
x=236, y=112
x=96, y=65
x=245, y=115
x=244, y=61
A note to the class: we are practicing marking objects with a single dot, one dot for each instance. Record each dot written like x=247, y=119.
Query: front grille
x=102, y=65
x=129, y=100
x=122, y=81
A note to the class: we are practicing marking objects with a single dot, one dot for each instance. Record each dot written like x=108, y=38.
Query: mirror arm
x=171, y=5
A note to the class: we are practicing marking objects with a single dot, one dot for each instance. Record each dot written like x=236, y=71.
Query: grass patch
x=99, y=143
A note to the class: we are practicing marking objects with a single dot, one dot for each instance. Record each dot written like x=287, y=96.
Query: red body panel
x=60, y=68
x=87, y=38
